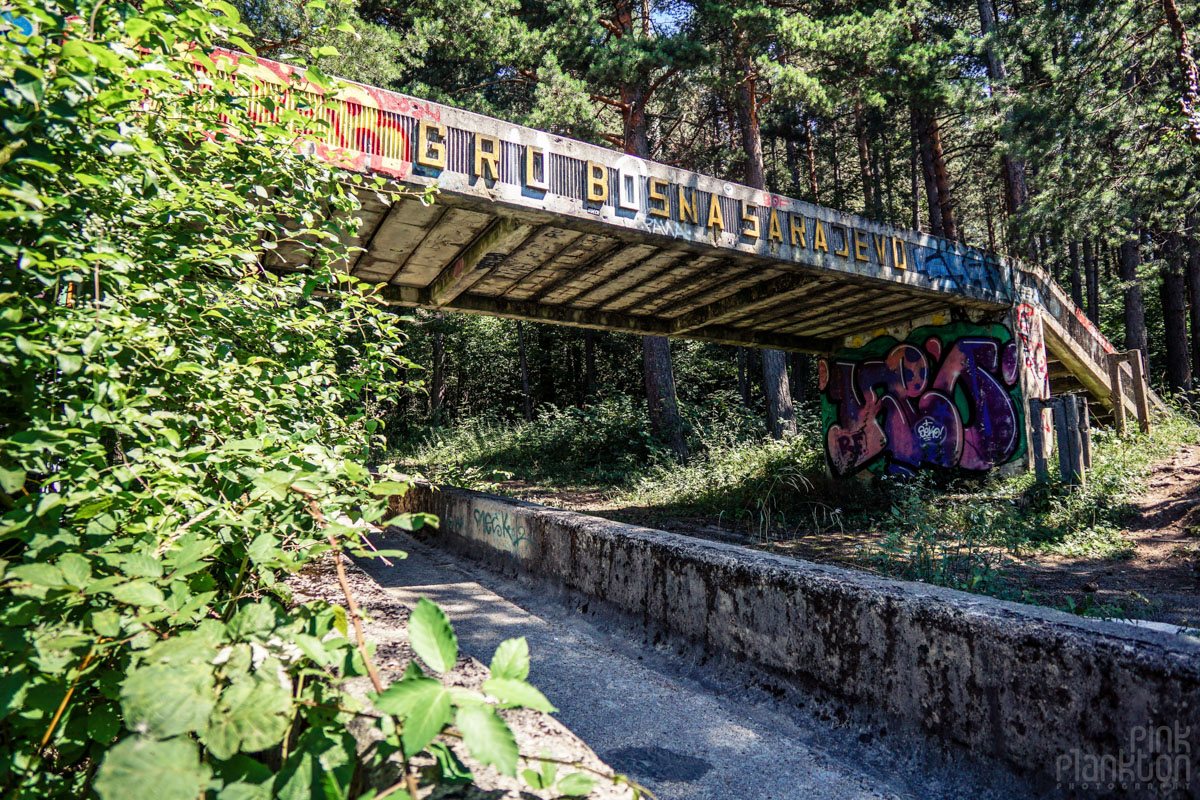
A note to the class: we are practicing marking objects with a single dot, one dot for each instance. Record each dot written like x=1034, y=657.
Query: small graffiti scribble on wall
x=501, y=528
x=945, y=397
x=1033, y=347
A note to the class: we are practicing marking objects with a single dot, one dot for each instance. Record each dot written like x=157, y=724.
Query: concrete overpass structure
x=930, y=348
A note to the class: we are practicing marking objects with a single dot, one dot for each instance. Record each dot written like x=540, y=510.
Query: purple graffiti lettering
x=900, y=410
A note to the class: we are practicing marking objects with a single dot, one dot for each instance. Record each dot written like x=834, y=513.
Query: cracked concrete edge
x=538, y=734
x=1013, y=684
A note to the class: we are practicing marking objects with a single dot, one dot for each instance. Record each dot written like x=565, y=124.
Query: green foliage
x=601, y=442
x=181, y=429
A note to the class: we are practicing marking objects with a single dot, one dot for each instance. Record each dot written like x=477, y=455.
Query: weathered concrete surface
x=1023, y=686
x=686, y=726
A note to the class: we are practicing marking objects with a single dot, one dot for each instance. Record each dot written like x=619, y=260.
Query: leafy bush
x=603, y=442
x=181, y=429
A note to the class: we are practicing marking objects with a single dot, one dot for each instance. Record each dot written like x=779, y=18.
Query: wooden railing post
x=1141, y=394
x=1070, y=443
x=1118, y=392
x=1085, y=432
x=1037, y=439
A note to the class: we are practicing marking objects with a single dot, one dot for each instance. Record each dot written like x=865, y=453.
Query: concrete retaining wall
x=1043, y=692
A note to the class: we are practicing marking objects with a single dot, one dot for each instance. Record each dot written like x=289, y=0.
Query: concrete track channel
x=684, y=724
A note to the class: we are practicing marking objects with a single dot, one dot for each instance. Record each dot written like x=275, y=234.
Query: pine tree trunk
x=1193, y=272
x=660, y=393
x=1179, y=374
x=791, y=153
x=1135, y=312
x=887, y=191
x=864, y=158
x=838, y=197
x=781, y=418
x=437, y=380
x=942, y=174
x=1076, y=275
x=921, y=129
x=527, y=400
x=1092, y=275
x=811, y=145
x=589, y=359
x=915, y=189
x=661, y=401
x=743, y=382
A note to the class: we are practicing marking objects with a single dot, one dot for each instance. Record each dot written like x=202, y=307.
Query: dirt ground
x=1160, y=582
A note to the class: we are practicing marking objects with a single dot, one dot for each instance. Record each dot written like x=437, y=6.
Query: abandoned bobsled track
x=1030, y=690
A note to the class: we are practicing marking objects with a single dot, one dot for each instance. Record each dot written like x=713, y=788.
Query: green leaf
x=168, y=699
x=75, y=569
x=252, y=715
x=11, y=480
x=381, y=488
x=69, y=363
x=432, y=637
x=488, y=738
x=403, y=696
x=533, y=779
x=137, y=27
x=107, y=623
x=103, y=724
x=577, y=784
x=511, y=659
x=29, y=83
x=138, y=593
x=425, y=721
x=140, y=767
x=43, y=575
x=512, y=692
x=451, y=769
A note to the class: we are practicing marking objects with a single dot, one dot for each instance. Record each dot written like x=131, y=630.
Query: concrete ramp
x=1053, y=697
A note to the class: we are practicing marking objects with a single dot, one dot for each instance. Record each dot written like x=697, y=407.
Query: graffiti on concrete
x=502, y=528
x=1033, y=349
x=947, y=396
x=959, y=268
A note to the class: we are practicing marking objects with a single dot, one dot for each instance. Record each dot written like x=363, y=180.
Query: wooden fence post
x=1118, y=392
x=1037, y=441
x=1085, y=432
x=1140, y=389
x=1071, y=444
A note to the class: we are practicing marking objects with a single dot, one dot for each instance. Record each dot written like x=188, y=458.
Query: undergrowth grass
x=948, y=531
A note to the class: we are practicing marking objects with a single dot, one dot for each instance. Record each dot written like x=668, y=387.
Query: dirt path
x=1161, y=581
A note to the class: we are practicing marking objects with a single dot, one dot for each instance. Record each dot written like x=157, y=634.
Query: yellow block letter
x=687, y=210
x=880, y=248
x=597, y=175
x=431, y=153
x=845, y=251
x=750, y=231
x=798, y=239
x=899, y=254
x=489, y=158
x=715, y=219
x=819, y=242
x=658, y=195
x=532, y=156
x=860, y=248
x=773, y=230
